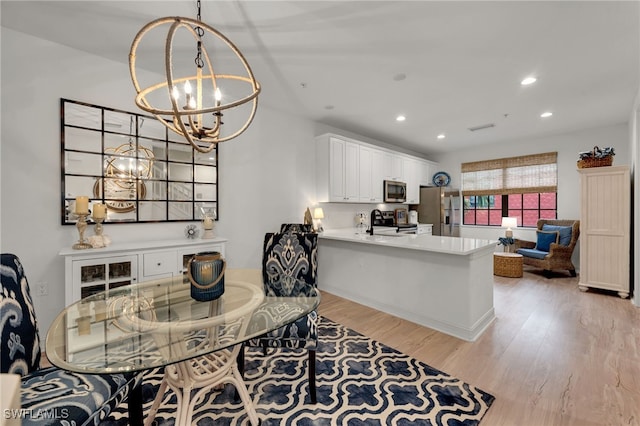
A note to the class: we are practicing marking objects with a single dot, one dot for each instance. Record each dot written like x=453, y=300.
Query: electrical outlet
x=43, y=289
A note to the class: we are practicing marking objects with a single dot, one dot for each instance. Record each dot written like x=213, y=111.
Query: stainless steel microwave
x=395, y=192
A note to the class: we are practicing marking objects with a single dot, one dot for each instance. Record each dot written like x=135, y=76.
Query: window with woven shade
x=523, y=187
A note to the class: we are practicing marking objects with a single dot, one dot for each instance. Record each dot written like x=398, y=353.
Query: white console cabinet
x=94, y=270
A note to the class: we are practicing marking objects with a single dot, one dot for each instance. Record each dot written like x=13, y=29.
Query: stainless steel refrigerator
x=440, y=207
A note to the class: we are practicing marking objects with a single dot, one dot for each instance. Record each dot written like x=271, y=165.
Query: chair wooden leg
x=312, y=376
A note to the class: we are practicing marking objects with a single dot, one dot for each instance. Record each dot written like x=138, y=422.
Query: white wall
x=266, y=175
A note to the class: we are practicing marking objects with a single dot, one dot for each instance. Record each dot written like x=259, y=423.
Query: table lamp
x=318, y=215
x=509, y=222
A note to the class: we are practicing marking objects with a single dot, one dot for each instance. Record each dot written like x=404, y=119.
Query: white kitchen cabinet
x=393, y=167
x=371, y=174
x=412, y=179
x=94, y=270
x=351, y=171
x=377, y=175
x=426, y=172
x=605, y=228
x=337, y=170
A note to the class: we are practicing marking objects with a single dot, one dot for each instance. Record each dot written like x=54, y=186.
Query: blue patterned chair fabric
x=296, y=227
x=289, y=269
x=50, y=396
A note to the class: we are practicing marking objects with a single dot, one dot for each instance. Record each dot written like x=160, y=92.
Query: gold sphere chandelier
x=195, y=106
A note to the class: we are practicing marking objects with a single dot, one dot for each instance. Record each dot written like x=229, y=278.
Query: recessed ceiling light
x=441, y=136
x=527, y=81
x=546, y=114
x=401, y=118
x=399, y=77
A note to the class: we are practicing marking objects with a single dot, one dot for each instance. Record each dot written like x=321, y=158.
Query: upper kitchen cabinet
x=412, y=179
x=426, y=172
x=371, y=174
x=337, y=169
x=417, y=173
x=350, y=171
x=393, y=167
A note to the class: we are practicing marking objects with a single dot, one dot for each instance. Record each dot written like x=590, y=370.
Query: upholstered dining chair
x=556, y=240
x=51, y=396
x=289, y=268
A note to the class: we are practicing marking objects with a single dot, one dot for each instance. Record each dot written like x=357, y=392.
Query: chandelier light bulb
x=175, y=93
x=187, y=87
x=218, y=94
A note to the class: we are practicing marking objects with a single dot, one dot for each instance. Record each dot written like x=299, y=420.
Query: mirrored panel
x=153, y=211
x=181, y=172
x=131, y=163
x=180, y=191
x=83, y=163
x=180, y=211
x=204, y=174
x=205, y=192
x=82, y=140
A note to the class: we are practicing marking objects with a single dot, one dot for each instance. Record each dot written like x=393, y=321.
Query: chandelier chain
x=200, y=32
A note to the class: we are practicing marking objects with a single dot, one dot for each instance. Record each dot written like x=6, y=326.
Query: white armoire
x=605, y=216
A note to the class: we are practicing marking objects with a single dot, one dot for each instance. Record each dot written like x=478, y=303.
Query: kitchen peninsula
x=444, y=283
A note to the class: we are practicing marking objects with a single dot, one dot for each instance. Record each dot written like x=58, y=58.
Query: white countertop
x=143, y=245
x=432, y=243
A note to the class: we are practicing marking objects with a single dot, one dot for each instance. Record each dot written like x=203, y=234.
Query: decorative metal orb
x=197, y=117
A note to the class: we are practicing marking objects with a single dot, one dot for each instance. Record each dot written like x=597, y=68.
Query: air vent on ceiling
x=482, y=127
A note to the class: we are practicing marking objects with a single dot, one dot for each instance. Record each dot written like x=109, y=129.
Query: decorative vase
x=206, y=274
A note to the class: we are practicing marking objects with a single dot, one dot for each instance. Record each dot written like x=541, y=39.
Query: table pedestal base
x=202, y=374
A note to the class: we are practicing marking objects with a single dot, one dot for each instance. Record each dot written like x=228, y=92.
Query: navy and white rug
x=360, y=382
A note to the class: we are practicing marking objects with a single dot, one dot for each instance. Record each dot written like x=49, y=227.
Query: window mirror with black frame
x=134, y=165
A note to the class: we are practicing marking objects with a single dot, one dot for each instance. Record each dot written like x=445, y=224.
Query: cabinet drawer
x=159, y=263
x=186, y=254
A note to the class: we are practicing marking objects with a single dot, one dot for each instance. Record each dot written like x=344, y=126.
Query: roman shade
x=514, y=175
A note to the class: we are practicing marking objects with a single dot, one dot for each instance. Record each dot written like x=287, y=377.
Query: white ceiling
x=463, y=60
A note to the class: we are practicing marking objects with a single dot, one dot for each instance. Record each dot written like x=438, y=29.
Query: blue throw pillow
x=565, y=233
x=545, y=238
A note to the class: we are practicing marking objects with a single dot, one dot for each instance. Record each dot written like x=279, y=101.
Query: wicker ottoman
x=507, y=265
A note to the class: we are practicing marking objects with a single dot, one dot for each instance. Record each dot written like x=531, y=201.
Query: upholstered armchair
x=556, y=240
x=52, y=396
x=289, y=268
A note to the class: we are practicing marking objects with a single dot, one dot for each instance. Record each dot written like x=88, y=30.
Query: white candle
x=208, y=223
x=99, y=211
x=82, y=204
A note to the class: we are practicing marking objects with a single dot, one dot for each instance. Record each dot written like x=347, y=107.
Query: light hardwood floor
x=553, y=356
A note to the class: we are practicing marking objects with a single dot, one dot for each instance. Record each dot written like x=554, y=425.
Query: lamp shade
x=318, y=213
x=509, y=222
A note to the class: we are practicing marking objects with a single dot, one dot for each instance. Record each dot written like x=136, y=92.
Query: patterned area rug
x=360, y=382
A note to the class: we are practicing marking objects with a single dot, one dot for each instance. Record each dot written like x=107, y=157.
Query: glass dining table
x=143, y=326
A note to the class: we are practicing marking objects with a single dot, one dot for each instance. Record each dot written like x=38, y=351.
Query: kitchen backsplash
x=343, y=215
